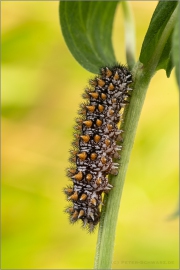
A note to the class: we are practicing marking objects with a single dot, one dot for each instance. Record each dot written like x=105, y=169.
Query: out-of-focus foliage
x=41, y=90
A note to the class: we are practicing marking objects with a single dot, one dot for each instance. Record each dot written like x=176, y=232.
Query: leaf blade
x=159, y=20
x=175, y=49
x=87, y=30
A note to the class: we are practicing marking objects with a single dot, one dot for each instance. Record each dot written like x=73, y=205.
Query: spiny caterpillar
x=94, y=147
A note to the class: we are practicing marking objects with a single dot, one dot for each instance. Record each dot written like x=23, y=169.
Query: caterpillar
x=95, y=144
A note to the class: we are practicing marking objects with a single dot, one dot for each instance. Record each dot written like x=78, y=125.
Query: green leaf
x=175, y=49
x=165, y=61
x=160, y=19
x=87, y=30
x=169, y=66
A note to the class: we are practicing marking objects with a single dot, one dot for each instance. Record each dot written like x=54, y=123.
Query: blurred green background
x=41, y=90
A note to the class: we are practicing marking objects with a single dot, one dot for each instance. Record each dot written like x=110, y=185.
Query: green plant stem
x=130, y=38
x=142, y=76
x=110, y=211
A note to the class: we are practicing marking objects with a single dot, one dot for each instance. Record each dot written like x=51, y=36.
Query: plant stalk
x=107, y=227
x=142, y=76
x=130, y=38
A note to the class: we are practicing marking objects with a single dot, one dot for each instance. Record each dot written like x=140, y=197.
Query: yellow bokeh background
x=41, y=90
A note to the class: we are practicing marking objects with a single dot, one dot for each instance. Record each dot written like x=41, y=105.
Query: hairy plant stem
x=142, y=76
